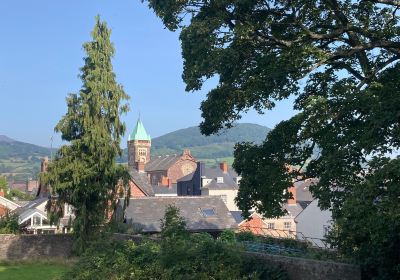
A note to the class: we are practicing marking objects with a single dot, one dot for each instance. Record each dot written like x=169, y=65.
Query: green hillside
x=22, y=160
x=212, y=148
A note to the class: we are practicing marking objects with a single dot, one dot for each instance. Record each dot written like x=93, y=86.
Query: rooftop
x=139, y=132
x=206, y=213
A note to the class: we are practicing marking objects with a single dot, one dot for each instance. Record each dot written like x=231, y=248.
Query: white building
x=313, y=223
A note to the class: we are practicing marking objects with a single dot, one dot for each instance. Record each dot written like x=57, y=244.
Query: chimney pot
x=293, y=200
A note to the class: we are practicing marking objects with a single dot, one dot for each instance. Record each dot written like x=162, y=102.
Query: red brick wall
x=255, y=225
x=135, y=191
x=3, y=210
x=175, y=172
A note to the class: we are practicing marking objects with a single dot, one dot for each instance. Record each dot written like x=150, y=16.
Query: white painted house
x=313, y=223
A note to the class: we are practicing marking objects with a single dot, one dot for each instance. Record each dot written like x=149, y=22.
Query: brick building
x=147, y=171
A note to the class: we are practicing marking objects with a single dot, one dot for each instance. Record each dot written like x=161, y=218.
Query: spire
x=139, y=133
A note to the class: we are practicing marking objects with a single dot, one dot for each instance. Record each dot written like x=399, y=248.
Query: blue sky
x=41, y=53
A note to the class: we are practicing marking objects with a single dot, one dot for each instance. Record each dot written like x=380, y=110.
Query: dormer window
x=220, y=180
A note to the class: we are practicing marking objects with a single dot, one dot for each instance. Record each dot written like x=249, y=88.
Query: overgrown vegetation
x=178, y=255
x=9, y=224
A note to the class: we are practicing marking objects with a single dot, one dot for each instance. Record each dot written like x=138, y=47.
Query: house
x=286, y=225
x=314, y=223
x=32, y=216
x=161, y=170
x=202, y=214
x=139, y=184
x=222, y=182
x=6, y=205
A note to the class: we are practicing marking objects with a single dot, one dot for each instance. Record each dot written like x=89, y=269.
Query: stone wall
x=305, y=269
x=26, y=247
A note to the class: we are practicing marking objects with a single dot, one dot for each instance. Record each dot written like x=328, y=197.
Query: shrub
x=179, y=255
x=9, y=224
x=228, y=236
x=245, y=235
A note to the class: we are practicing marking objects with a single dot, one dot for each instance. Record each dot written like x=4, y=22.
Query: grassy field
x=32, y=270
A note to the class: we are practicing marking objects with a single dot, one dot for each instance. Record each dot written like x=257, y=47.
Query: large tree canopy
x=337, y=58
x=84, y=173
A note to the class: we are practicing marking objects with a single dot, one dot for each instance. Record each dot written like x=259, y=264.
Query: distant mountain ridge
x=22, y=160
x=206, y=147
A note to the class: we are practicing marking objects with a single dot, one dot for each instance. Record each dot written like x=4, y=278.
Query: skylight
x=207, y=212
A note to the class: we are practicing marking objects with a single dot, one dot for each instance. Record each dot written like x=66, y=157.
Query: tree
x=84, y=173
x=337, y=58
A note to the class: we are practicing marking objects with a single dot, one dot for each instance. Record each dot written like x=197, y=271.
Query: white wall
x=230, y=197
x=311, y=221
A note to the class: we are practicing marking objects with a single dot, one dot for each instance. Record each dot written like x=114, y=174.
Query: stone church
x=147, y=171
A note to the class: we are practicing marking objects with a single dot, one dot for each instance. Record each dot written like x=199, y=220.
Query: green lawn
x=32, y=271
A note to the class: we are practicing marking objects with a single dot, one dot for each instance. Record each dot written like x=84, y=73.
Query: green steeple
x=139, y=133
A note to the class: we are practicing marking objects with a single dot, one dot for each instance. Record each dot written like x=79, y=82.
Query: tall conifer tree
x=84, y=173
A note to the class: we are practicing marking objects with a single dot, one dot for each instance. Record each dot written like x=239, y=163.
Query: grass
x=38, y=270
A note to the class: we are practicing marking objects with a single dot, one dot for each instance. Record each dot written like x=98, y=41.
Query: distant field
x=32, y=271
x=217, y=161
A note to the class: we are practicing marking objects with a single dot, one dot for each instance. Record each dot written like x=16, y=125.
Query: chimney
x=140, y=166
x=1, y=192
x=165, y=181
x=293, y=200
x=224, y=167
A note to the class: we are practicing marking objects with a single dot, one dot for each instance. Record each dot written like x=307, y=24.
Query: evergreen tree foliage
x=339, y=59
x=84, y=172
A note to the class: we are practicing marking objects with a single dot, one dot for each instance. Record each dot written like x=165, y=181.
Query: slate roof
x=187, y=177
x=162, y=190
x=228, y=182
x=303, y=192
x=237, y=215
x=141, y=180
x=146, y=213
x=161, y=162
x=292, y=209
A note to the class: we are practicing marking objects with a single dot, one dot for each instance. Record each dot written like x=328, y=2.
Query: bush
x=246, y=235
x=179, y=255
x=9, y=224
x=228, y=236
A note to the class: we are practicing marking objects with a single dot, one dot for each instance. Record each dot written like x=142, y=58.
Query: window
x=270, y=225
x=36, y=220
x=220, y=180
x=287, y=225
x=207, y=212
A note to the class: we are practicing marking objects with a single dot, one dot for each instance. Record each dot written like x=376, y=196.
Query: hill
x=210, y=149
x=20, y=160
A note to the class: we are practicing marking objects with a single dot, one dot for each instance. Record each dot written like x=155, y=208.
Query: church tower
x=139, y=143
